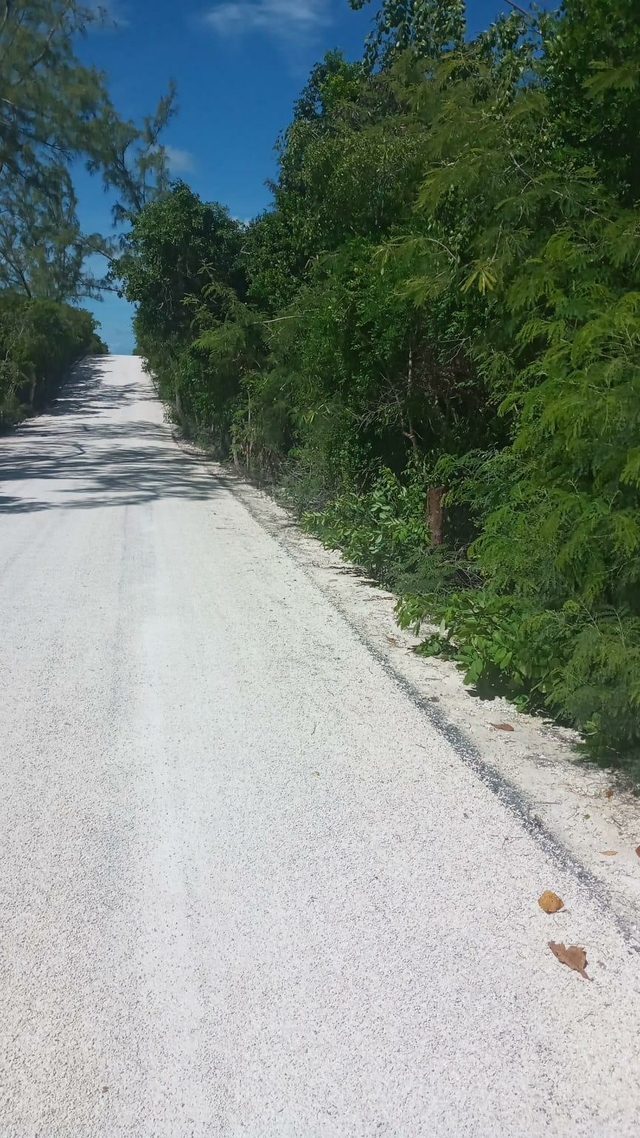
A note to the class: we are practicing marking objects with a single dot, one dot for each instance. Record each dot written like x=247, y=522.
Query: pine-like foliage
x=56, y=111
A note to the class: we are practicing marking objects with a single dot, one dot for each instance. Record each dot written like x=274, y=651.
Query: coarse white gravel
x=248, y=887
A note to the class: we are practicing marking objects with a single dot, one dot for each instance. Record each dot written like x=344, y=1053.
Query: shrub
x=39, y=341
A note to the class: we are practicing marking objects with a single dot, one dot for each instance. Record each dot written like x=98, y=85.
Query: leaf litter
x=574, y=957
x=550, y=902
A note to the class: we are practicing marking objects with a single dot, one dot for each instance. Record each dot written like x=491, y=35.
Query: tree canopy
x=54, y=112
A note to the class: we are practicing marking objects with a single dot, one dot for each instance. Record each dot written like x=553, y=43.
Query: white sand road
x=247, y=886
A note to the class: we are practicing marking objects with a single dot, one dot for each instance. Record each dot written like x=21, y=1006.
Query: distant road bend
x=247, y=888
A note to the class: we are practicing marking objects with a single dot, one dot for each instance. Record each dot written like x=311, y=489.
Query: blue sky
x=239, y=65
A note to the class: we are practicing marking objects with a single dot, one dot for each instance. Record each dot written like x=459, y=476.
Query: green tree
x=426, y=27
x=178, y=246
x=43, y=251
x=182, y=268
x=349, y=165
x=54, y=110
x=592, y=66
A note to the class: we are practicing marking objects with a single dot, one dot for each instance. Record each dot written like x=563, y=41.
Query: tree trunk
x=410, y=433
x=435, y=514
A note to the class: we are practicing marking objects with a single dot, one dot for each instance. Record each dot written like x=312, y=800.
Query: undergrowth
x=578, y=664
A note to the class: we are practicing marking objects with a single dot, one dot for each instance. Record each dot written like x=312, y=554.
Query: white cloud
x=180, y=161
x=282, y=19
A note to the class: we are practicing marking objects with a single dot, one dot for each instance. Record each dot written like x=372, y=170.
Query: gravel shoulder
x=574, y=804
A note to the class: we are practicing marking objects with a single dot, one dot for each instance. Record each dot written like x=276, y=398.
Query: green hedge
x=39, y=341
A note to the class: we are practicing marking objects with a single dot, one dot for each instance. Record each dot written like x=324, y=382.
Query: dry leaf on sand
x=608, y=853
x=609, y=793
x=550, y=902
x=503, y=727
x=638, y=850
x=573, y=957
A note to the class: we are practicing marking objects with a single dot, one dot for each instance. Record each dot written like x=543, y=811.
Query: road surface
x=247, y=888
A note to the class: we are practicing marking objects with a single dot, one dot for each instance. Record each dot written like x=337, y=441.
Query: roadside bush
x=384, y=530
x=39, y=341
x=581, y=665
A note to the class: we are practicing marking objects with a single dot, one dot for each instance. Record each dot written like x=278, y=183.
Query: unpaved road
x=246, y=886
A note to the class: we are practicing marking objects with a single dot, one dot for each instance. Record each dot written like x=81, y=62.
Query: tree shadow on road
x=79, y=456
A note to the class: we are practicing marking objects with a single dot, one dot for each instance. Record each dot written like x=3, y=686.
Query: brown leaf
x=574, y=957
x=550, y=902
x=609, y=793
x=608, y=853
x=638, y=850
x=503, y=727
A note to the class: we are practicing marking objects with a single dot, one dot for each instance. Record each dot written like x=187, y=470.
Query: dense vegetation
x=39, y=341
x=54, y=112
x=432, y=338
